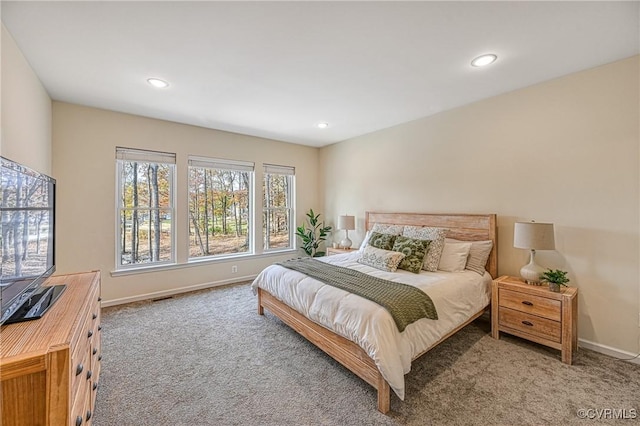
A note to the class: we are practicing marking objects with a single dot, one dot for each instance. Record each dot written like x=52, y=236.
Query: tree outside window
x=278, y=212
x=220, y=215
x=145, y=207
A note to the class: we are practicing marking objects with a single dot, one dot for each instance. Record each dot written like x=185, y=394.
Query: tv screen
x=27, y=210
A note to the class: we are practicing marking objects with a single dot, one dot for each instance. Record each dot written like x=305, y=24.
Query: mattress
x=457, y=297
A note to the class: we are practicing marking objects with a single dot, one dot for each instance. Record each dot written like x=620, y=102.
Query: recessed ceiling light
x=156, y=82
x=483, y=60
x=322, y=125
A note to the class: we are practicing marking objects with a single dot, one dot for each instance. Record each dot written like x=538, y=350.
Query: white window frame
x=233, y=165
x=147, y=156
x=289, y=171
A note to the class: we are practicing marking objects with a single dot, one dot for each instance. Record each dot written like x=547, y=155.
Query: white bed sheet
x=456, y=295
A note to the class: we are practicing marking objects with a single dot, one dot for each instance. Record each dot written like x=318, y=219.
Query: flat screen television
x=27, y=214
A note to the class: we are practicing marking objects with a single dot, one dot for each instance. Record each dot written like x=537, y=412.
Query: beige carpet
x=207, y=358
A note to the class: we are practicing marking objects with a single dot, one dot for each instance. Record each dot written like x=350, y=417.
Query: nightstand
x=331, y=250
x=535, y=313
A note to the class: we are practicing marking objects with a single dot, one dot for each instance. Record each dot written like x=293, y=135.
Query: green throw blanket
x=405, y=303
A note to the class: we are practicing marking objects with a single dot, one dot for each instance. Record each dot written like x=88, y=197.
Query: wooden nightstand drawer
x=535, y=313
x=531, y=324
x=535, y=305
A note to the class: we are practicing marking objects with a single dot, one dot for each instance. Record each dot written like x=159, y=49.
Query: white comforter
x=457, y=296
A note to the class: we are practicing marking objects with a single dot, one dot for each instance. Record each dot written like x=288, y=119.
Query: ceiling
x=276, y=69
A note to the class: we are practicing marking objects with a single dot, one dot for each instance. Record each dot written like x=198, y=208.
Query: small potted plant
x=555, y=278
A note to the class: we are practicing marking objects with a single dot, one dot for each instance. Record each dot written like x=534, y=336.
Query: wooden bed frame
x=466, y=227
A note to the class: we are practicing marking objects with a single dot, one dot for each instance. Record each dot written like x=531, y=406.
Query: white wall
x=84, y=143
x=25, y=120
x=565, y=151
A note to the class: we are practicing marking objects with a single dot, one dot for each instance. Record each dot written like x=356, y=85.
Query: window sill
x=197, y=262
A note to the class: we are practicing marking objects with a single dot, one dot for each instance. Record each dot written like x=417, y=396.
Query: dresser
x=50, y=366
x=535, y=313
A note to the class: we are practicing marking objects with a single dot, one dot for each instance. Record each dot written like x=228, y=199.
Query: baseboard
x=608, y=350
x=171, y=292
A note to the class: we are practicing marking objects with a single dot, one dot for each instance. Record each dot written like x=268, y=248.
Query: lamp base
x=345, y=243
x=531, y=272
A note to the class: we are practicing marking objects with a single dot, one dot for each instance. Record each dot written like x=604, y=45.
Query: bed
x=360, y=334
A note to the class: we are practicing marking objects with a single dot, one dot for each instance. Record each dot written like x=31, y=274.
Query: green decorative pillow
x=382, y=241
x=414, y=251
x=436, y=236
x=385, y=260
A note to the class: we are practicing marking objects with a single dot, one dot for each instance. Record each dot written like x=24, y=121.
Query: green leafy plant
x=555, y=276
x=313, y=235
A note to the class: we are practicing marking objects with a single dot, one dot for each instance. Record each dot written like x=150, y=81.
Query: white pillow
x=478, y=255
x=454, y=257
x=365, y=241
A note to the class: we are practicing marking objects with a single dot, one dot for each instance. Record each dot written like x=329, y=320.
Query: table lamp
x=533, y=236
x=348, y=223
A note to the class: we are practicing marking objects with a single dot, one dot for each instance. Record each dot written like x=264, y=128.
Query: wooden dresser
x=536, y=313
x=49, y=367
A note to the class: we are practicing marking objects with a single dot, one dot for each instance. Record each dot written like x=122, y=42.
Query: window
x=145, y=213
x=278, y=220
x=220, y=217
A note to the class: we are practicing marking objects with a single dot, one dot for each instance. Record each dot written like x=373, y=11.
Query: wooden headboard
x=465, y=227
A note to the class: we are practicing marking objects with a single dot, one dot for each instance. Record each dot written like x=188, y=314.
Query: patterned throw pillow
x=436, y=236
x=387, y=229
x=382, y=241
x=381, y=259
x=414, y=252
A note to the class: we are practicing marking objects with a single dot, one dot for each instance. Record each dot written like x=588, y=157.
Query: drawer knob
x=79, y=369
x=89, y=374
x=95, y=385
x=95, y=351
x=99, y=299
x=99, y=328
x=94, y=316
x=78, y=420
x=88, y=415
x=90, y=333
x=526, y=302
x=99, y=357
x=527, y=323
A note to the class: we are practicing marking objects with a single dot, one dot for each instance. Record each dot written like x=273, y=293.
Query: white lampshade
x=534, y=235
x=347, y=222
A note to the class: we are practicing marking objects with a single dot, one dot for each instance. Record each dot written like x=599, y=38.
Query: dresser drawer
x=531, y=304
x=531, y=324
x=81, y=413
x=80, y=367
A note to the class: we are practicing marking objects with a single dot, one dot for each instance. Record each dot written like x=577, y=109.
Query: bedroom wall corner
x=565, y=151
x=25, y=118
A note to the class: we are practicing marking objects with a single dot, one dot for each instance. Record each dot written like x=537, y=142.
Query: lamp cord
x=632, y=358
x=628, y=359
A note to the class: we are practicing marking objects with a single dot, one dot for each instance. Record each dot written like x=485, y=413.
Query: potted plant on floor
x=555, y=278
x=314, y=235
